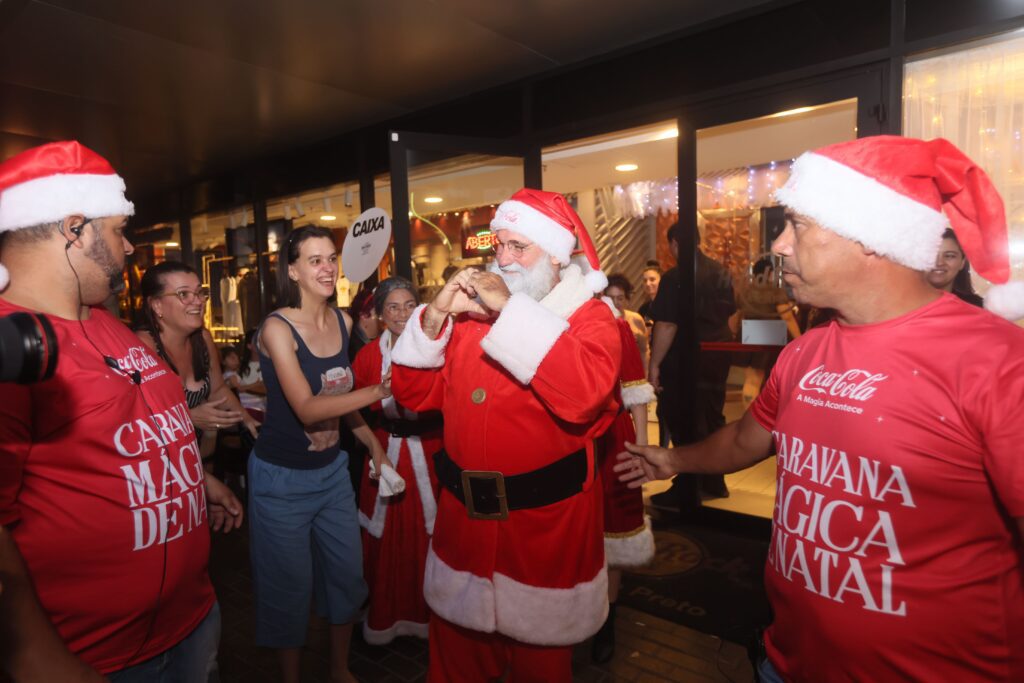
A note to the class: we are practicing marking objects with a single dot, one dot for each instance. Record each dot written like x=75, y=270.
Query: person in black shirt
x=715, y=304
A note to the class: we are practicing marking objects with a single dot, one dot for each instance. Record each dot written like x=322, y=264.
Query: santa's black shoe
x=602, y=648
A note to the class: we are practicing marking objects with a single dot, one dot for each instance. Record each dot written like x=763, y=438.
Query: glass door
x=736, y=313
x=444, y=190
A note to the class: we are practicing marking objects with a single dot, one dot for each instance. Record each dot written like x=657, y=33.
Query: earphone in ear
x=77, y=232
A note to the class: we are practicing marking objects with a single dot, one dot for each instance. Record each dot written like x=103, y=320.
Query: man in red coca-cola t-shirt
x=105, y=508
x=896, y=538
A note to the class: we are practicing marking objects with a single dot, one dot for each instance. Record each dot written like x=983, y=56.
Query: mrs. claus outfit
x=516, y=572
x=628, y=540
x=396, y=528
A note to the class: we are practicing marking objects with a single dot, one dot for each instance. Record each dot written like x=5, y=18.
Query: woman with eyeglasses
x=172, y=325
x=397, y=529
x=303, y=528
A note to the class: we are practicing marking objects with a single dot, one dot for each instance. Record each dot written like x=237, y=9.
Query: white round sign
x=365, y=245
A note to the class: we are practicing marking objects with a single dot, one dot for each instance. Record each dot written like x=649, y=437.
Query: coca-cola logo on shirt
x=137, y=358
x=855, y=384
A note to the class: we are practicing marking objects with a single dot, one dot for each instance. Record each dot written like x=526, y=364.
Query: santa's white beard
x=536, y=281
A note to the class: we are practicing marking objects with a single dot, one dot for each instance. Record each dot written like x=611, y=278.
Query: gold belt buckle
x=467, y=493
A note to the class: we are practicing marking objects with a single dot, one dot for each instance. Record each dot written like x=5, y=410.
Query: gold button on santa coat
x=478, y=395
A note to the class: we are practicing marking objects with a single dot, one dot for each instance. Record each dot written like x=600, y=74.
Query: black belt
x=492, y=495
x=407, y=428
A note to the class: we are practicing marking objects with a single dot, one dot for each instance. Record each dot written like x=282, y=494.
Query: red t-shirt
x=86, y=485
x=900, y=470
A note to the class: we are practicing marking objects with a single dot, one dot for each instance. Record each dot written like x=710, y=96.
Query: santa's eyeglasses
x=514, y=247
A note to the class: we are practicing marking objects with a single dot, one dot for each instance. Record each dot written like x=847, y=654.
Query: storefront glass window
x=625, y=190
x=974, y=97
x=225, y=255
x=153, y=244
x=335, y=207
x=451, y=204
x=744, y=312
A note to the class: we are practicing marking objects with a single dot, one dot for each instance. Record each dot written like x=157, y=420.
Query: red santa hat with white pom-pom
x=897, y=195
x=46, y=183
x=553, y=225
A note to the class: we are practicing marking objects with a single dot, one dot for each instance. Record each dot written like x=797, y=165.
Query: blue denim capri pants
x=304, y=543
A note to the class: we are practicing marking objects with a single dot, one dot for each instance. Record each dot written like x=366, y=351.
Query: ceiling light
x=625, y=168
x=433, y=200
x=171, y=244
x=790, y=112
x=328, y=217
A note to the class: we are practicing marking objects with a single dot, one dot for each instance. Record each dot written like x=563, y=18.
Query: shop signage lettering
x=367, y=226
x=481, y=242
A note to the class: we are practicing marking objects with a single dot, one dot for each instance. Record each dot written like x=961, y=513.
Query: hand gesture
x=491, y=289
x=457, y=295
x=211, y=415
x=641, y=464
x=222, y=507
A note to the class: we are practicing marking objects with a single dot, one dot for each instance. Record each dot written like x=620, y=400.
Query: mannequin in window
x=231, y=310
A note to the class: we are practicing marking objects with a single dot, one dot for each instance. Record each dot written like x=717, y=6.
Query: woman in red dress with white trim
x=396, y=528
x=628, y=540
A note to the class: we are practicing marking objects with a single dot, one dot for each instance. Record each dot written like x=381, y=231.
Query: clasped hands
x=472, y=291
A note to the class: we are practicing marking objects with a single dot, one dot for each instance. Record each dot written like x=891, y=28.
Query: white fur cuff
x=632, y=549
x=522, y=336
x=415, y=350
x=637, y=394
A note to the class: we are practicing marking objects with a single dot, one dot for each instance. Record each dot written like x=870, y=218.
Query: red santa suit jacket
x=518, y=392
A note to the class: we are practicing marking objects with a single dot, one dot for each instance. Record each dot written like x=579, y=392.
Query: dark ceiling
x=171, y=90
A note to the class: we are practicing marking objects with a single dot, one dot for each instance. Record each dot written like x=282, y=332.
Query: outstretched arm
x=279, y=344
x=734, y=447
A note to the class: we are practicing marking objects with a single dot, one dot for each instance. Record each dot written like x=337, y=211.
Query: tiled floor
x=649, y=649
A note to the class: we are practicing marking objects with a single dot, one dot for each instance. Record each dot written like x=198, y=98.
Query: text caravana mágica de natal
x=832, y=532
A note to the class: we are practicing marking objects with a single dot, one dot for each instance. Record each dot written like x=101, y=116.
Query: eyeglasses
x=186, y=296
x=517, y=248
x=395, y=309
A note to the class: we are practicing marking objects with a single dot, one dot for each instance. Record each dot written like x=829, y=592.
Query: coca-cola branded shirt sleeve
x=893, y=554
x=109, y=510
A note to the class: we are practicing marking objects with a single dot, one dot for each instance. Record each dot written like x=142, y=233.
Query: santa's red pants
x=461, y=655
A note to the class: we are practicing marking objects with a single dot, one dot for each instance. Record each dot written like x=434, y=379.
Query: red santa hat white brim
x=897, y=196
x=51, y=198
x=862, y=209
x=46, y=183
x=549, y=222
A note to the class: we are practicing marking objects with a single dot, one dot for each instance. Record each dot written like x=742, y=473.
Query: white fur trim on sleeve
x=529, y=614
x=1006, y=301
x=634, y=549
x=637, y=394
x=864, y=210
x=522, y=336
x=413, y=349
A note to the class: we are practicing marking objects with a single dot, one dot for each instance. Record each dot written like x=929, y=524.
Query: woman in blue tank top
x=302, y=512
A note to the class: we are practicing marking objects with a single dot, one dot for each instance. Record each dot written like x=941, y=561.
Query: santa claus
x=522, y=361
